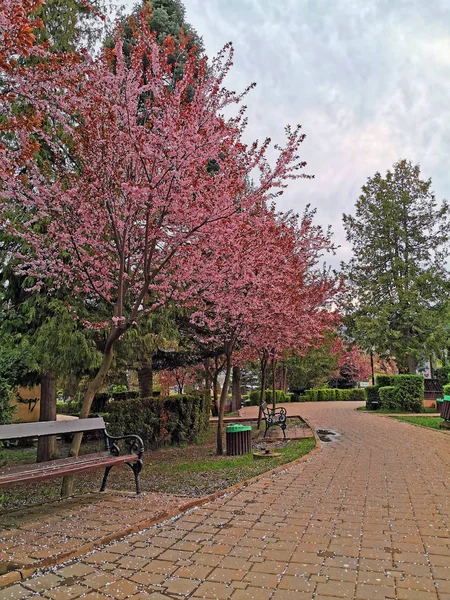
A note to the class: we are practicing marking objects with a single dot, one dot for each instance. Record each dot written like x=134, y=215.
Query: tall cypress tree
x=396, y=298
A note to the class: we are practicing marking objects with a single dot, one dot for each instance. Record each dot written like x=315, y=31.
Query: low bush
x=161, y=421
x=389, y=397
x=372, y=397
x=442, y=375
x=408, y=396
x=384, y=380
x=446, y=390
x=351, y=395
x=410, y=392
x=332, y=394
x=280, y=395
x=311, y=395
x=326, y=395
x=68, y=408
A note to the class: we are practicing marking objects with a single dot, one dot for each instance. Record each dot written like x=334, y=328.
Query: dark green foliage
x=408, y=395
x=397, y=283
x=389, y=397
x=352, y=395
x=161, y=421
x=442, y=375
x=12, y=369
x=410, y=392
x=446, y=390
x=68, y=408
x=332, y=394
x=281, y=397
x=313, y=368
x=372, y=396
x=383, y=380
x=326, y=395
x=311, y=395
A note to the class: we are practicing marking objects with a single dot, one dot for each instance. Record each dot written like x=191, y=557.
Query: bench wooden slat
x=53, y=463
x=37, y=475
x=43, y=428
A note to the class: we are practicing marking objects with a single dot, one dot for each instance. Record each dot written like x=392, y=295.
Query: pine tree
x=397, y=281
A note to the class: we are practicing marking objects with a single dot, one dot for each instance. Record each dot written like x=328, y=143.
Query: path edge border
x=18, y=572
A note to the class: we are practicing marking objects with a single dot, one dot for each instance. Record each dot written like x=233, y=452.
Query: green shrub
x=372, y=397
x=326, y=395
x=311, y=395
x=6, y=410
x=384, y=380
x=351, y=395
x=408, y=396
x=254, y=397
x=442, y=375
x=389, y=397
x=280, y=395
x=446, y=390
x=410, y=392
x=68, y=408
x=331, y=394
x=161, y=421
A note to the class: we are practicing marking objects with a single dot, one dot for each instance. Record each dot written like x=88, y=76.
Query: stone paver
x=41, y=534
x=367, y=518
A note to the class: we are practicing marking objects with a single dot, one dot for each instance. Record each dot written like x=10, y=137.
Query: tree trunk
x=236, y=393
x=263, y=385
x=285, y=379
x=93, y=387
x=274, y=396
x=223, y=399
x=412, y=365
x=145, y=378
x=47, y=445
x=215, y=411
x=208, y=378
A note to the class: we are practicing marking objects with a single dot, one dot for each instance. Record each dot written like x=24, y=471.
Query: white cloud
x=369, y=82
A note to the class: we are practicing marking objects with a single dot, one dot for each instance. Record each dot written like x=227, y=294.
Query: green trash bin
x=239, y=439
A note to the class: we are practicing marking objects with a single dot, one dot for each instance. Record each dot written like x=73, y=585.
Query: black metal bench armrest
x=134, y=442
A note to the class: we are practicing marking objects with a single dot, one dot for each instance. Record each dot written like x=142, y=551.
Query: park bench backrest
x=24, y=430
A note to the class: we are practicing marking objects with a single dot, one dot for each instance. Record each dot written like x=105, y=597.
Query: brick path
x=366, y=518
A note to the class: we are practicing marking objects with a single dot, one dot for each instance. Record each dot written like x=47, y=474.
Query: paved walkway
x=368, y=518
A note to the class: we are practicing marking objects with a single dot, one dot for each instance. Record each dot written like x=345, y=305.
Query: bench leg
x=283, y=427
x=105, y=477
x=136, y=468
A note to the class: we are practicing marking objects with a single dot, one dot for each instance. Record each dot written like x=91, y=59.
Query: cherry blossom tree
x=262, y=290
x=17, y=30
x=139, y=176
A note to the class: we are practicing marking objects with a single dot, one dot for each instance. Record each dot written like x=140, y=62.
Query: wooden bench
x=274, y=417
x=33, y=473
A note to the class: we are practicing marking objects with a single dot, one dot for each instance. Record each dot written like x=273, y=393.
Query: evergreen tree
x=397, y=281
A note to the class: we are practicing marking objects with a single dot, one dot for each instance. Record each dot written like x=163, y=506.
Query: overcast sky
x=369, y=80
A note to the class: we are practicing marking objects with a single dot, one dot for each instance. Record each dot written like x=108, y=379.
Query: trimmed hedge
x=280, y=395
x=372, y=395
x=408, y=396
x=68, y=408
x=384, y=380
x=446, y=390
x=389, y=397
x=161, y=421
x=332, y=394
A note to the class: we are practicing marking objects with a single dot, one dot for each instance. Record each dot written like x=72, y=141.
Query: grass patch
x=384, y=411
x=191, y=470
x=432, y=422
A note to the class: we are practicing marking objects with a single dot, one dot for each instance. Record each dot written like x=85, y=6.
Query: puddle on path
x=327, y=435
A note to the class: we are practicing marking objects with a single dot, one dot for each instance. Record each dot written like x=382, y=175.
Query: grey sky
x=369, y=80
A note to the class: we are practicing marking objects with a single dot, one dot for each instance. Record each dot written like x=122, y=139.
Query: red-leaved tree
x=144, y=168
